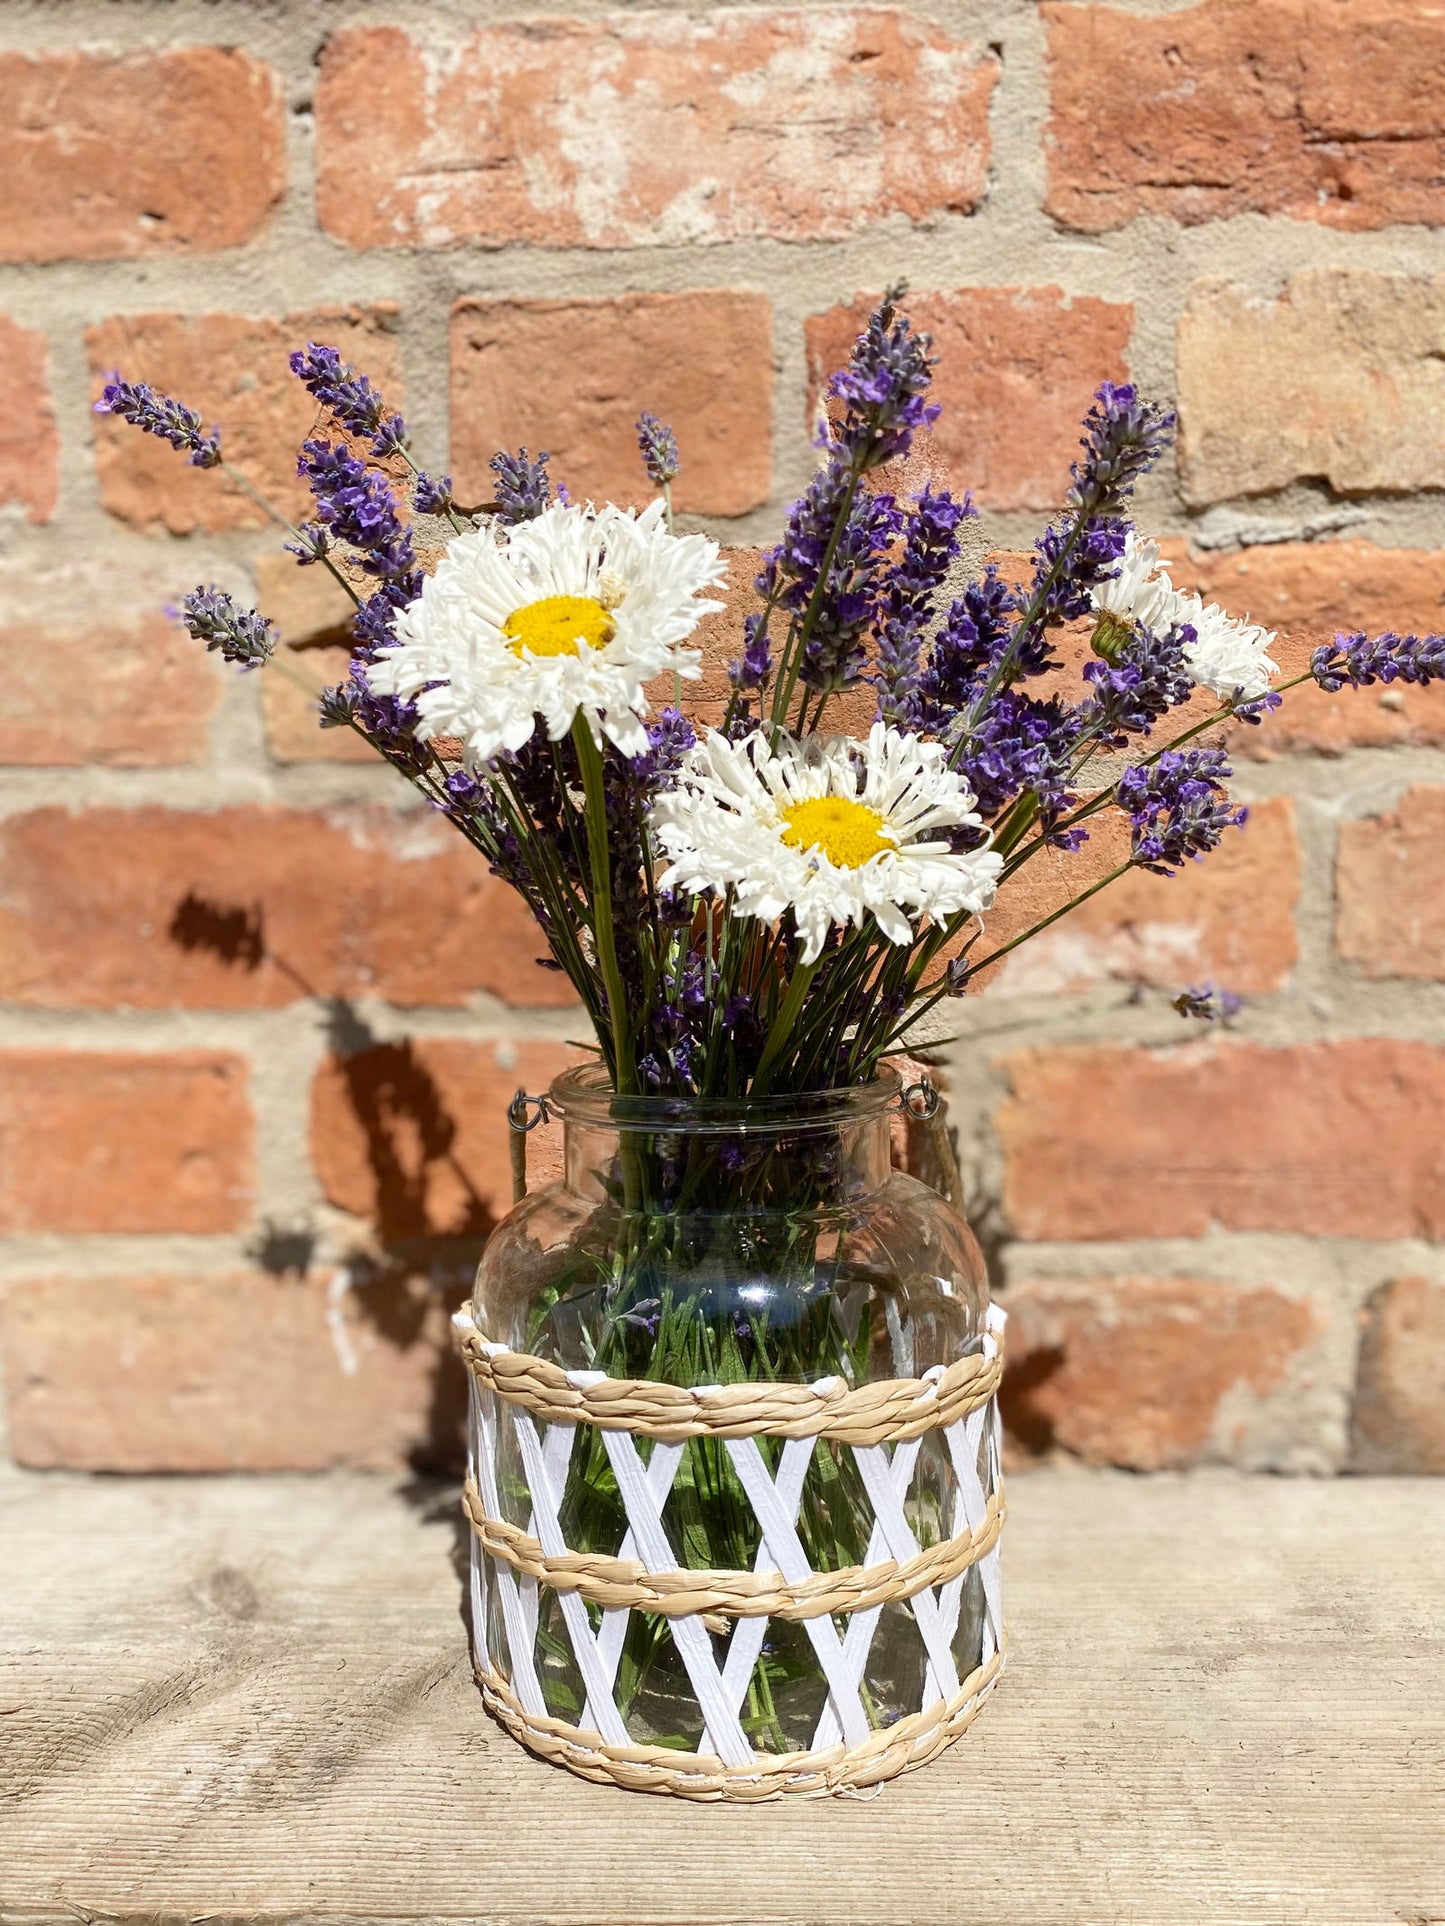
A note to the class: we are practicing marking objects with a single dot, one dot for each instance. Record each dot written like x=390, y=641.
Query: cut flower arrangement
x=734, y=1471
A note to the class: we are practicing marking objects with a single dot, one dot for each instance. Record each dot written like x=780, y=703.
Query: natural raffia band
x=718, y=1619
x=614, y=1582
x=910, y=1742
x=864, y=1414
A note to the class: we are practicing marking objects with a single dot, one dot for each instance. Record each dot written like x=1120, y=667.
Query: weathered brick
x=1323, y=1139
x=1399, y=1415
x=413, y=1136
x=651, y=129
x=1300, y=107
x=1336, y=379
x=1307, y=592
x=1390, y=888
x=1228, y=919
x=119, y=1141
x=570, y=376
x=232, y=369
x=1016, y=370
x=155, y=152
x=29, y=440
x=1145, y=1372
x=252, y=908
x=96, y=671
x=244, y=1371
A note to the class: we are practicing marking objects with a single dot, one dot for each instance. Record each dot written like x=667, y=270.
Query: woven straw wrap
x=863, y=1417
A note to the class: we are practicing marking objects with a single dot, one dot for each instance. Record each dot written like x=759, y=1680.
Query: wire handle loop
x=921, y=1100
x=519, y=1124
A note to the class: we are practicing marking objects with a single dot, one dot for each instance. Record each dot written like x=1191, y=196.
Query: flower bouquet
x=734, y=1479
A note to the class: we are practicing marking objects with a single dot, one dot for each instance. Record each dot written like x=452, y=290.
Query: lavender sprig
x=350, y=398
x=883, y=388
x=659, y=450
x=243, y=636
x=157, y=414
x=1142, y=679
x=523, y=489
x=1178, y=807
x=905, y=605
x=1360, y=660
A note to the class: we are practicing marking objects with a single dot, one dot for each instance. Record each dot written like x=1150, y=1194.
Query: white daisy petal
x=1229, y=657
x=569, y=614
x=832, y=830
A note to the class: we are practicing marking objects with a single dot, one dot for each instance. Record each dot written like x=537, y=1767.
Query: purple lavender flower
x=1123, y=437
x=1360, y=660
x=1141, y=679
x=975, y=634
x=844, y=605
x=905, y=605
x=389, y=722
x=432, y=495
x=157, y=414
x=242, y=636
x=659, y=450
x=669, y=739
x=882, y=389
x=523, y=489
x=313, y=544
x=352, y=401
x=1208, y=1005
x=358, y=507
x=1178, y=807
x=752, y=669
x=1022, y=744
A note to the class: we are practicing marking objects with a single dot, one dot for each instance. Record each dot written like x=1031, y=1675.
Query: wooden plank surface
x=250, y=1699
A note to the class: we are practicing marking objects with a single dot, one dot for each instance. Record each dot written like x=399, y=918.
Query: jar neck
x=791, y=1154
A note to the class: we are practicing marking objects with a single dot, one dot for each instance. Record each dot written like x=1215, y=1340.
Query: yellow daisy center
x=556, y=624
x=848, y=833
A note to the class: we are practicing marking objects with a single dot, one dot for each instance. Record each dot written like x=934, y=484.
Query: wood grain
x=233, y=1699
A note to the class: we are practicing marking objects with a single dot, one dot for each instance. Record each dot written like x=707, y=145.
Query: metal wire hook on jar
x=519, y=1126
x=922, y=1102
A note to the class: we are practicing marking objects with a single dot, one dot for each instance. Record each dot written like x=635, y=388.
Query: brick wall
x=259, y=1019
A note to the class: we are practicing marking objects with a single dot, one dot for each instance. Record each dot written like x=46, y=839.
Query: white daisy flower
x=1227, y=656
x=571, y=613
x=1141, y=591
x=829, y=829
x=1231, y=658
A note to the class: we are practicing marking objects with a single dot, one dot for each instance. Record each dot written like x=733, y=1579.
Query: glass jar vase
x=828, y=1319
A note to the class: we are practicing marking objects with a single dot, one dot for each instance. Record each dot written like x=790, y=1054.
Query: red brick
x=413, y=1137
x=29, y=441
x=1399, y=1417
x=1228, y=919
x=1145, y=1372
x=112, y=1141
x=130, y=691
x=155, y=152
x=1390, y=889
x=1301, y=107
x=233, y=370
x=1016, y=370
x=650, y=129
x=239, y=1372
x=1337, y=378
x=571, y=376
x=1324, y=1139
x=252, y=908
x=1307, y=592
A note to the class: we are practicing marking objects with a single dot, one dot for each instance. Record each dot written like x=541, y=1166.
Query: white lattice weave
x=719, y=1619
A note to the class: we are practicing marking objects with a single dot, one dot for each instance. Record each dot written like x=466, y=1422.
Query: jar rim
x=585, y=1095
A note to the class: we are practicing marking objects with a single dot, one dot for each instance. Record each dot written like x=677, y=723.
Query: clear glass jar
x=714, y=1243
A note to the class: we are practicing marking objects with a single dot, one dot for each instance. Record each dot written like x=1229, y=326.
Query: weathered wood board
x=250, y=1699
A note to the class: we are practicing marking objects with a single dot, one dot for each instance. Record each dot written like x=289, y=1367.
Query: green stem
x=589, y=759
x=268, y=507
x=783, y=1024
